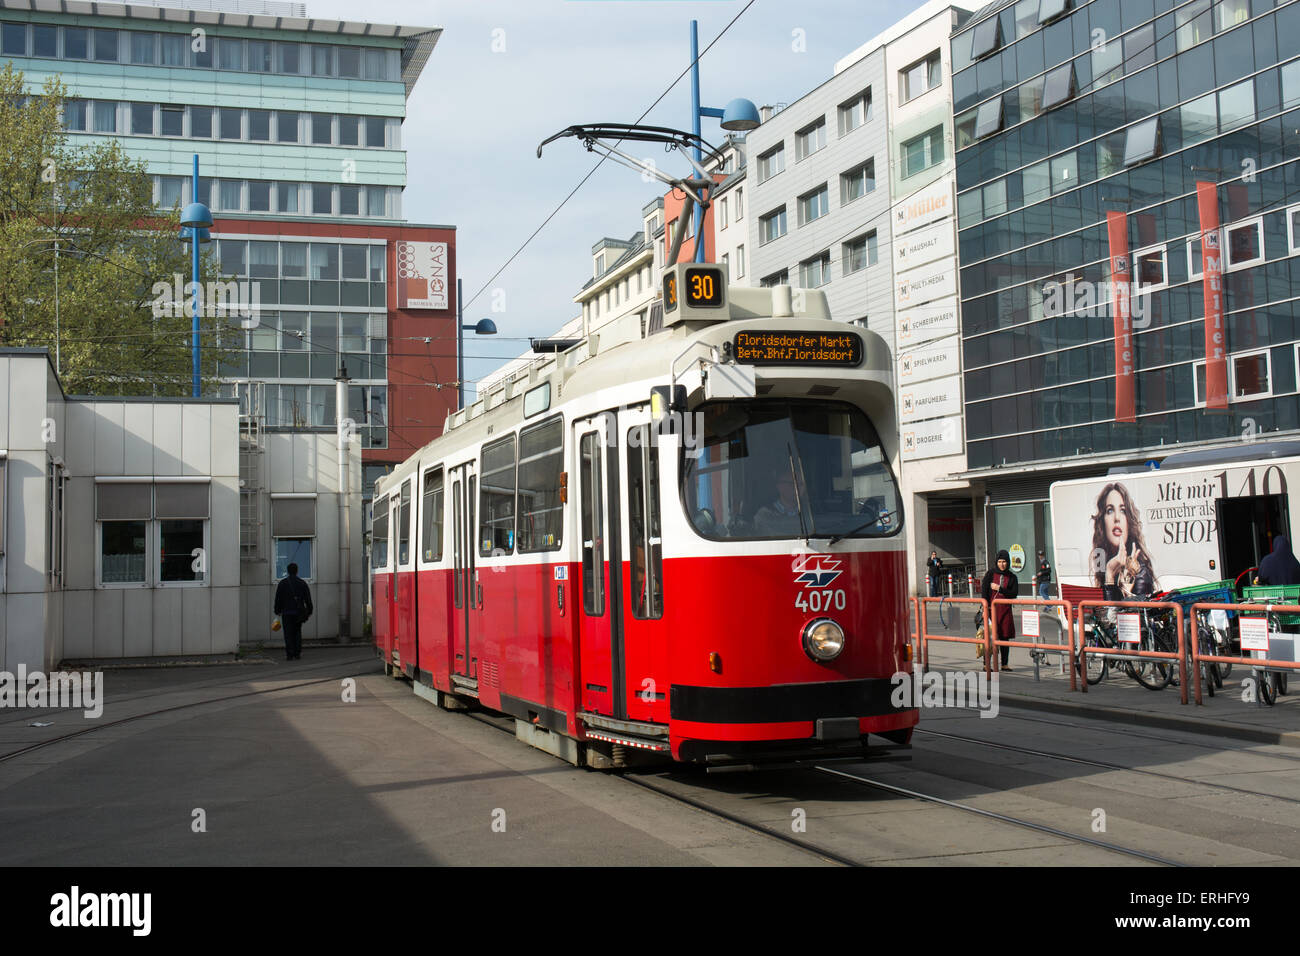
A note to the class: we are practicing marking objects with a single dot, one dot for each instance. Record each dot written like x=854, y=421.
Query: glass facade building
x=1065, y=112
x=298, y=125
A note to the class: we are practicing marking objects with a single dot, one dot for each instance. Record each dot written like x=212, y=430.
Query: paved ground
x=285, y=771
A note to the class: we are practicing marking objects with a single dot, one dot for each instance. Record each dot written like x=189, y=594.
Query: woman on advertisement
x=1121, y=563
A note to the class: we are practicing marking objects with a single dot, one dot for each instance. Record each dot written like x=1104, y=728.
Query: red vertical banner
x=1121, y=275
x=1216, y=352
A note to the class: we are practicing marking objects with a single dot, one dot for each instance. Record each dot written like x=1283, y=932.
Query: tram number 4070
x=817, y=601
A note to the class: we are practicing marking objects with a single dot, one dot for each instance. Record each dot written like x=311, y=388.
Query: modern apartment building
x=851, y=191
x=297, y=123
x=1097, y=142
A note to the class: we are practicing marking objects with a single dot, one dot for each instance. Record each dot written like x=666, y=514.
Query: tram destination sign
x=783, y=347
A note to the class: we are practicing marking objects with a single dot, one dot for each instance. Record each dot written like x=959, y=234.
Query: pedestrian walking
x=935, y=567
x=1001, y=582
x=1043, y=578
x=293, y=605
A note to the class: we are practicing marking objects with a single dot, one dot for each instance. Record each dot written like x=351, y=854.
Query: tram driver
x=780, y=517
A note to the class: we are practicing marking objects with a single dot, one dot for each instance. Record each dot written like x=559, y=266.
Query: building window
x=1193, y=24
x=293, y=528
x=1142, y=141
x=76, y=41
x=964, y=126
x=45, y=40
x=722, y=213
x=813, y=205
x=922, y=152
x=859, y=253
x=173, y=515
x=810, y=139
x=144, y=48
x=13, y=39
x=170, y=191
x=1245, y=244
x=1250, y=375
x=1230, y=13
x=105, y=116
x=857, y=182
x=1195, y=260
x=1058, y=86
x=286, y=127
x=231, y=123
x=855, y=112
x=777, y=278
x=1049, y=10
x=922, y=76
x=106, y=45
x=74, y=115
x=230, y=54
x=815, y=272
x=1293, y=229
x=989, y=118
x=171, y=120
x=771, y=226
x=771, y=163
x=726, y=266
x=986, y=37
x=740, y=260
x=1237, y=106
x=1150, y=270
x=739, y=204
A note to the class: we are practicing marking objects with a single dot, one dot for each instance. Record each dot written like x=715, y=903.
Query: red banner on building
x=1121, y=275
x=1216, y=352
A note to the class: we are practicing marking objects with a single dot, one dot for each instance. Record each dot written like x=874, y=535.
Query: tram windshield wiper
x=798, y=498
x=862, y=527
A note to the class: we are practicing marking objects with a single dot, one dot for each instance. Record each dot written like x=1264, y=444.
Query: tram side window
x=593, y=526
x=404, y=522
x=379, y=535
x=643, y=518
x=541, y=459
x=497, y=508
x=431, y=540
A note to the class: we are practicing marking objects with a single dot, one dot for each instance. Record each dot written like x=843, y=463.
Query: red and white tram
x=688, y=542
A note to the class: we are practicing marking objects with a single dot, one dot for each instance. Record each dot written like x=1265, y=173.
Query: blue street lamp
x=739, y=116
x=196, y=220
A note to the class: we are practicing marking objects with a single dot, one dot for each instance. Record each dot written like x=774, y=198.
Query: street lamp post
x=481, y=327
x=196, y=220
x=740, y=115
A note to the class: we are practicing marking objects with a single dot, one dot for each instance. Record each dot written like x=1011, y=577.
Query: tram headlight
x=823, y=639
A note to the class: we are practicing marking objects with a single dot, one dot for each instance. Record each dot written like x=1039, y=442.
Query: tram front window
x=788, y=469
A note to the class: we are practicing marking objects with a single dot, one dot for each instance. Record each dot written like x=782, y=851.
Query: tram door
x=600, y=628
x=465, y=589
x=394, y=620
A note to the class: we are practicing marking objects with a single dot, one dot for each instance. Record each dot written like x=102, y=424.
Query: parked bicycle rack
x=1251, y=662
x=1179, y=656
x=926, y=637
x=1069, y=629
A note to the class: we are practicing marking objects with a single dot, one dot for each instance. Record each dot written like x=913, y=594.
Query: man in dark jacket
x=1043, y=579
x=1280, y=567
x=293, y=604
x=935, y=567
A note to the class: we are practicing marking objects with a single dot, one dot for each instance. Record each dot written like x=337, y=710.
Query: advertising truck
x=1198, y=517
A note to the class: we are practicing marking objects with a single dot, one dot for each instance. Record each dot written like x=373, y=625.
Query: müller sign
x=798, y=348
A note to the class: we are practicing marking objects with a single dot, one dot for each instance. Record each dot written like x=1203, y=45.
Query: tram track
x=857, y=782
x=188, y=705
x=1103, y=765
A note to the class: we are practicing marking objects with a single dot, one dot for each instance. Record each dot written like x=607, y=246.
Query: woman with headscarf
x=1001, y=582
x=1280, y=567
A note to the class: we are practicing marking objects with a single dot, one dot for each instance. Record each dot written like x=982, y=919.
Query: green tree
x=114, y=246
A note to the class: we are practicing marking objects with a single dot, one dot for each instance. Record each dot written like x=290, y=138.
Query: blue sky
x=506, y=74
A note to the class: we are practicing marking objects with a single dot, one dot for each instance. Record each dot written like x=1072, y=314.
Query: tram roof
x=618, y=356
